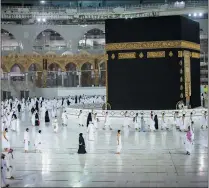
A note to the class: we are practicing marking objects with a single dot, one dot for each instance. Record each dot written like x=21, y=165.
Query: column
x=8, y=77
x=26, y=79
x=62, y=79
x=96, y=81
x=79, y=78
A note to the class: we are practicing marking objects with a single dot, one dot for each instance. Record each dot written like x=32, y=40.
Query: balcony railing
x=83, y=78
x=69, y=12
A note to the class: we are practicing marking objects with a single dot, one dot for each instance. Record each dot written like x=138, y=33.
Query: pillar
x=26, y=79
x=62, y=79
x=39, y=79
x=79, y=78
x=8, y=77
x=96, y=81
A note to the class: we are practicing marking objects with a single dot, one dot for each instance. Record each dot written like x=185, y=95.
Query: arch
x=9, y=42
x=102, y=66
x=86, y=67
x=71, y=77
x=86, y=75
x=92, y=39
x=34, y=67
x=71, y=67
x=54, y=67
x=16, y=68
x=49, y=40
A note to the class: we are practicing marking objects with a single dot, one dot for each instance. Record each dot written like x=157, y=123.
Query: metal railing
x=83, y=78
x=61, y=12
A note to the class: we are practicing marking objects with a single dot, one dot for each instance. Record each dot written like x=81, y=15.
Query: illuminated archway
x=54, y=67
x=86, y=75
x=49, y=40
x=92, y=39
x=54, y=75
x=34, y=67
x=71, y=77
x=16, y=68
x=15, y=73
x=9, y=43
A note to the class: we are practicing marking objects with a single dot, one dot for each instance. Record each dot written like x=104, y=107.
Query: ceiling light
x=38, y=19
x=190, y=14
x=44, y=19
x=200, y=14
x=42, y=2
x=195, y=14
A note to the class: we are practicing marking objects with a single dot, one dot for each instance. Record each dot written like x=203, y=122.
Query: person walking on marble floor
x=26, y=140
x=38, y=142
x=188, y=142
x=191, y=117
x=151, y=124
x=81, y=118
x=163, y=122
x=126, y=122
x=14, y=123
x=107, y=121
x=33, y=118
x=183, y=123
x=192, y=131
x=91, y=131
x=64, y=118
x=136, y=122
x=175, y=118
x=95, y=120
x=82, y=146
x=5, y=140
x=204, y=121
x=10, y=165
x=55, y=124
x=156, y=122
x=119, y=143
x=4, y=168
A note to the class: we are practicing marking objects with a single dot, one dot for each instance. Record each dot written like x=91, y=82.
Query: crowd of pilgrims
x=50, y=110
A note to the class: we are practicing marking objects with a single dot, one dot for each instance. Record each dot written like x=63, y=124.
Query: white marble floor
x=147, y=160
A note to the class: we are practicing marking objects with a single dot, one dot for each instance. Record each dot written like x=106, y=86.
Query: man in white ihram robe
x=55, y=124
x=151, y=124
x=10, y=164
x=38, y=141
x=64, y=118
x=26, y=140
x=183, y=123
x=204, y=120
x=90, y=131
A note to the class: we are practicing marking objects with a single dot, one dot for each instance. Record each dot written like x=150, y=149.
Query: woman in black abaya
x=156, y=122
x=89, y=119
x=82, y=147
x=47, y=120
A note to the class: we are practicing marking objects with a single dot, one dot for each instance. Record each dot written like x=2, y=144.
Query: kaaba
x=152, y=63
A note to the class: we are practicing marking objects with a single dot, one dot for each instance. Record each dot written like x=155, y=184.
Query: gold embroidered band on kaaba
x=152, y=45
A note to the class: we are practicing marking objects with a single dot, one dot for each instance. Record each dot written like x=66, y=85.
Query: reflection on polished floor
x=147, y=159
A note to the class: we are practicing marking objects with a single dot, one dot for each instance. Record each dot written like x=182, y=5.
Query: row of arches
x=70, y=77
x=50, y=40
x=55, y=67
